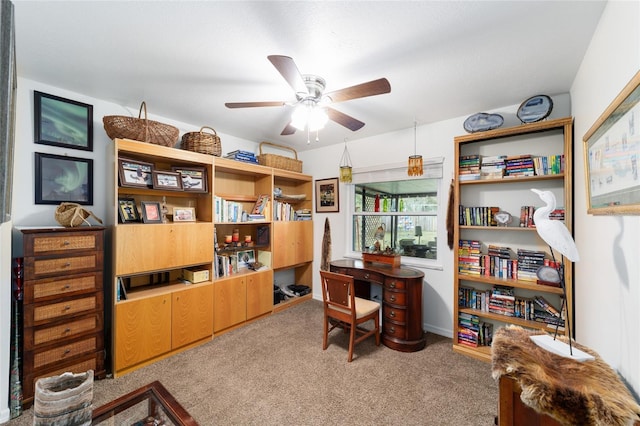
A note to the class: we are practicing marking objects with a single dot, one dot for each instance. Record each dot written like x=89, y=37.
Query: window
x=396, y=211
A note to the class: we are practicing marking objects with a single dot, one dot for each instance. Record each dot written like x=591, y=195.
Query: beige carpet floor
x=274, y=372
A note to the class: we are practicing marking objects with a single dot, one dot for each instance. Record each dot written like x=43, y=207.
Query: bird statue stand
x=558, y=237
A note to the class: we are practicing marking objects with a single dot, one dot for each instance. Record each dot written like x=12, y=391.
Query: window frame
x=432, y=169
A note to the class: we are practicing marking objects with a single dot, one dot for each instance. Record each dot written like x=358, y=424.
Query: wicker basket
x=140, y=129
x=205, y=143
x=278, y=161
x=73, y=214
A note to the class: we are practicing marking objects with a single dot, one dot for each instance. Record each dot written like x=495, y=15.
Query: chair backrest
x=337, y=290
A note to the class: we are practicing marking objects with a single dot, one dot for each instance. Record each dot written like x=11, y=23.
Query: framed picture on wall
x=612, y=154
x=327, y=197
x=60, y=178
x=62, y=122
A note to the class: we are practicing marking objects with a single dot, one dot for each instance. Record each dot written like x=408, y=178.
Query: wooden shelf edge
x=525, y=285
x=286, y=304
x=482, y=353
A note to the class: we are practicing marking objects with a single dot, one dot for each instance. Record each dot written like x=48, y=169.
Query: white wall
x=607, y=278
x=433, y=140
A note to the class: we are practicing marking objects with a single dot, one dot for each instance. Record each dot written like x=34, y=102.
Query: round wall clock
x=535, y=109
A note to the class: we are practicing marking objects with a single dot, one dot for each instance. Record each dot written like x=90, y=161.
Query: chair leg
x=325, y=335
x=352, y=339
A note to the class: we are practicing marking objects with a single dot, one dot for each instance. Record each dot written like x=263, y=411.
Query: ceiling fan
x=309, y=91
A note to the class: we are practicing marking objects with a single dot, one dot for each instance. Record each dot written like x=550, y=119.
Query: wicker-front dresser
x=63, y=310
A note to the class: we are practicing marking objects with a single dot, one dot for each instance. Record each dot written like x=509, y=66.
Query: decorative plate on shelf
x=482, y=121
x=535, y=109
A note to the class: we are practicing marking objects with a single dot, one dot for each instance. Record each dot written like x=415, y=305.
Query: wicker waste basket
x=279, y=161
x=63, y=400
x=140, y=129
x=203, y=142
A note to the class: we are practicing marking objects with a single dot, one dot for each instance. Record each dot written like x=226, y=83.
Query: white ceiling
x=443, y=59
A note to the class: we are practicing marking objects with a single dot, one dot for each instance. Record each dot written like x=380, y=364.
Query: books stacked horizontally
x=471, y=332
x=545, y=312
x=519, y=166
x=492, y=167
x=529, y=261
x=502, y=301
x=469, y=167
x=260, y=208
x=240, y=155
x=469, y=257
x=302, y=214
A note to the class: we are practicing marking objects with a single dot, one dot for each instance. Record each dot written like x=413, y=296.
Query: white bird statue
x=553, y=232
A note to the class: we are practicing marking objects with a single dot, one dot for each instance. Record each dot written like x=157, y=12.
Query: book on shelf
x=261, y=203
x=240, y=155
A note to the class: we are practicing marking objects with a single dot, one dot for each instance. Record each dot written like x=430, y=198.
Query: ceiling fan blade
x=289, y=71
x=253, y=104
x=344, y=119
x=288, y=130
x=371, y=88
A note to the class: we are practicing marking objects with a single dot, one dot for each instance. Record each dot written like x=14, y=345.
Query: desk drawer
x=45, y=244
x=395, y=283
x=394, y=330
x=371, y=277
x=395, y=297
x=395, y=314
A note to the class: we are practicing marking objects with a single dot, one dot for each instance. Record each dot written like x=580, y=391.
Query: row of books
x=283, y=211
x=477, y=216
x=240, y=155
x=475, y=167
x=234, y=211
x=472, y=332
x=501, y=300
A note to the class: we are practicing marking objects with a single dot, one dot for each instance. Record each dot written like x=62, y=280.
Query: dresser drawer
x=37, y=313
x=64, y=286
x=87, y=345
x=395, y=297
x=394, y=314
x=62, y=242
x=35, y=268
x=62, y=331
x=93, y=362
x=395, y=283
x=371, y=277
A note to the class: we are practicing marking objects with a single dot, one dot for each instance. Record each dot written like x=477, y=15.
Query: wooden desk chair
x=347, y=310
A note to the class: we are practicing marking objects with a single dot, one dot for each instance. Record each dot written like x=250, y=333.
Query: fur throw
x=572, y=392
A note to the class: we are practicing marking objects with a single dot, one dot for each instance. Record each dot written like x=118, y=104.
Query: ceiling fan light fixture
x=309, y=117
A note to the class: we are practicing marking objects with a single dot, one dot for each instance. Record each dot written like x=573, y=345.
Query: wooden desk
x=401, y=300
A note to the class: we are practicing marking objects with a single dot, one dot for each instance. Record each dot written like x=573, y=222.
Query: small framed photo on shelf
x=246, y=257
x=327, y=199
x=61, y=178
x=184, y=214
x=62, y=122
x=167, y=180
x=194, y=179
x=134, y=173
x=127, y=210
x=151, y=212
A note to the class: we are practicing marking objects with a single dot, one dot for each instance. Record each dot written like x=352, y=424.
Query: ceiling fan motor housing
x=315, y=87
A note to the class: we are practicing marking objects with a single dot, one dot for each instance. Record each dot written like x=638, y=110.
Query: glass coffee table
x=151, y=405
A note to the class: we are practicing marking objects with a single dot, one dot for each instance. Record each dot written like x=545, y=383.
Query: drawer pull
x=66, y=287
x=392, y=330
x=67, y=351
x=392, y=298
x=66, y=308
x=393, y=284
x=366, y=276
x=66, y=265
x=66, y=243
x=67, y=330
x=392, y=314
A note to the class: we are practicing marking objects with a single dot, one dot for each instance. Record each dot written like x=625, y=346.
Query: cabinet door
x=192, y=315
x=143, y=330
x=292, y=243
x=259, y=293
x=229, y=302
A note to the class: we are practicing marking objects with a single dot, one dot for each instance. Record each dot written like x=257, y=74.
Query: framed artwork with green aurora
x=60, y=178
x=62, y=122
